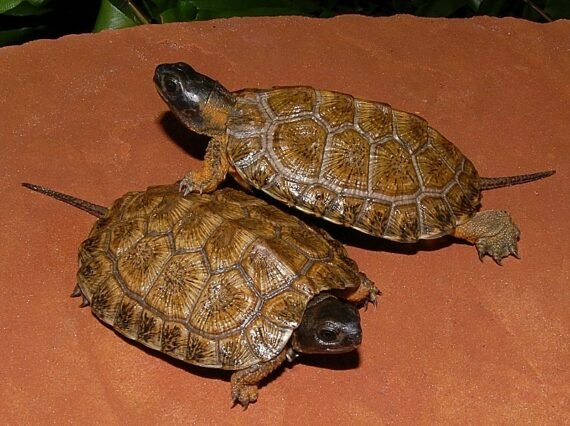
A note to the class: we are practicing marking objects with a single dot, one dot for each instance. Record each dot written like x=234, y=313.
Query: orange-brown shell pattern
x=216, y=280
x=358, y=163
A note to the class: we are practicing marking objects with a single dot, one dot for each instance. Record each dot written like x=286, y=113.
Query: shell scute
x=435, y=172
x=195, y=228
x=266, y=270
x=411, y=129
x=150, y=329
x=202, y=350
x=345, y=210
x=403, y=224
x=139, y=266
x=297, y=144
x=291, y=101
x=437, y=217
x=106, y=300
x=393, y=172
x=346, y=161
x=225, y=304
x=286, y=310
x=336, y=108
x=178, y=286
x=235, y=352
x=93, y=271
x=374, y=217
x=308, y=241
x=375, y=119
x=125, y=234
x=174, y=339
x=266, y=339
x=225, y=246
x=128, y=317
x=244, y=150
x=316, y=199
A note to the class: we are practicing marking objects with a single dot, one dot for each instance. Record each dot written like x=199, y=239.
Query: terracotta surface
x=453, y=340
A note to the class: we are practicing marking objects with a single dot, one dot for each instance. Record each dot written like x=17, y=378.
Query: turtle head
x=202, y=104
x=329, y=325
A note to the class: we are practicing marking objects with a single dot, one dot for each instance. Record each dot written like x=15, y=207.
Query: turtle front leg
x=366, y=293
x=493, y=232
x=213, y=171
x=244, y=382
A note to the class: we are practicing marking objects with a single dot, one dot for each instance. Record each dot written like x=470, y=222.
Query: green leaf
x=26, y=9
x=19, y=35
x=110, y=16
x=183, y=12
x=8, y=4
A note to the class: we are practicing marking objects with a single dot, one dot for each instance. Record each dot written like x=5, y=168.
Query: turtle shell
x=217, y=280
x=357, y=163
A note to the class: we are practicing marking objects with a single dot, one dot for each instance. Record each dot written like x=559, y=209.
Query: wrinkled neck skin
x=214, y=114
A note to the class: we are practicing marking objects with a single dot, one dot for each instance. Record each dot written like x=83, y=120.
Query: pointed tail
x=500, y=182
x=94, y=209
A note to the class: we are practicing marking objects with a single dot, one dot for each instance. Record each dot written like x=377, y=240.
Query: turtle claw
x=499, y=246
x=76, y=292
x=185, y=186
x=84, y=302
x=190, y=184
x=372, y=298
x=244, y=395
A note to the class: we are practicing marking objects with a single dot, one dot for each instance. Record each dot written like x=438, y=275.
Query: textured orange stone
x=452, y=341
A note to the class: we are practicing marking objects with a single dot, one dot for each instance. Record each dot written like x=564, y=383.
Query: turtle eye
x=171, y=84
x=327, y=335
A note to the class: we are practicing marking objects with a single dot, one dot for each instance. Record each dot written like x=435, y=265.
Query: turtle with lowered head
x=220, y=280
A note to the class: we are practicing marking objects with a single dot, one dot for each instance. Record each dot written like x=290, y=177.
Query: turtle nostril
x=354, y=340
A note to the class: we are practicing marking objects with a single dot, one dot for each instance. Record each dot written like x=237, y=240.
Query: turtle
x=358, y=163
x=221, y=280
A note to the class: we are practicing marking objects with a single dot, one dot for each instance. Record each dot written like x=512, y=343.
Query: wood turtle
x=222, y=280
x=357, y=163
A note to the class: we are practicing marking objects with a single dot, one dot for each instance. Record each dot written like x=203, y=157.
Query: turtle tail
x=94, y=209
x=500, y=182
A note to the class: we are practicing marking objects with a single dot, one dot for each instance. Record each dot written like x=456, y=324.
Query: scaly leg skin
x=366, y=293
x=493, y=232
x=212, y=173
x=244, y=382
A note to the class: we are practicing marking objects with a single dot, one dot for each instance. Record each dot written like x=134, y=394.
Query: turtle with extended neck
x=357, y=163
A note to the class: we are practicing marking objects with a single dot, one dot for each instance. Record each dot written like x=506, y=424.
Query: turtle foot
x=194, y=182
x=499, y=246
x=244, y=394
x=494, y=234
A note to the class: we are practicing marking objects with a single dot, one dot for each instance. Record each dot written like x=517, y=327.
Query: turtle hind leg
x=244, y=382
x=212, y=173
x=493, y=232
